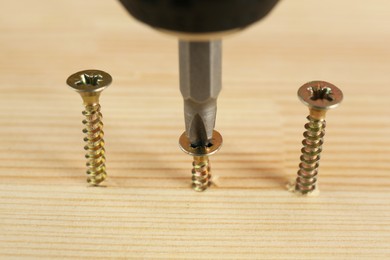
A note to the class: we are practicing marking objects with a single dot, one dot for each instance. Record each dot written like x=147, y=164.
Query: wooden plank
x=147, y=209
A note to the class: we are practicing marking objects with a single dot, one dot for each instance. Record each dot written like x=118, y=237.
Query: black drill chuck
x=199, y=16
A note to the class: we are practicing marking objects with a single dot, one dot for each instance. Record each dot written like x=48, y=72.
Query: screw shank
x=318, y=114
x=201, y=176
x=90, y=98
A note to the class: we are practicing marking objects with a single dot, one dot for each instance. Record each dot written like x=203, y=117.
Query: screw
x=201, y=175
x=89, y=84
x=319, y=96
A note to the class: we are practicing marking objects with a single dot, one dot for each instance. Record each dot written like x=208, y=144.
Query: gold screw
x=319, y=96
x=201, y=175
x=89, y=84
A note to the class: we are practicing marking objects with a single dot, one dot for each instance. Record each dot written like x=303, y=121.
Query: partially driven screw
x=89, y=84
x=201, y=176
x=319, y=96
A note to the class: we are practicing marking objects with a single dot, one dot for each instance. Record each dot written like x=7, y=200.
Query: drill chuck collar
x=199, y=16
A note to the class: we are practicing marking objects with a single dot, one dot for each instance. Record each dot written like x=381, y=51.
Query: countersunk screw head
x=188, y=148
x=89, y=81
x=320, y=95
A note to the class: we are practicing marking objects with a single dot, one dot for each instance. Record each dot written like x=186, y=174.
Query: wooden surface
x=147, y=209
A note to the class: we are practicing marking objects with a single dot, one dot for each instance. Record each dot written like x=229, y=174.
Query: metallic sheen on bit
x=200, y=85
x=89, y=84
x=319, y=96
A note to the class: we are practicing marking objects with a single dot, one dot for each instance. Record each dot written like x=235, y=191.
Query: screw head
x=216, y=143
x=89, y=81
x=320, y=95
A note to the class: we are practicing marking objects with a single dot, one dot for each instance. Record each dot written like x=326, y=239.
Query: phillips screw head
x=89, y=84
x=320, y=95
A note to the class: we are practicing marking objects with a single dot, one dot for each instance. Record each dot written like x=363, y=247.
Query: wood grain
x=147, y=209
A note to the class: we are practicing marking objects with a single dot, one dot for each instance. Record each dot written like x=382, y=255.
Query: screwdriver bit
x=200, y=84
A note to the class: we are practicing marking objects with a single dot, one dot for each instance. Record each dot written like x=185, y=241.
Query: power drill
x=199, y=25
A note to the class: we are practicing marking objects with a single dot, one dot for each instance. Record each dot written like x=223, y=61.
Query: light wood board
x=147, y=209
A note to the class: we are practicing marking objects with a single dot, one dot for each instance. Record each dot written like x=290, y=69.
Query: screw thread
x=96, y=168
x=201, y=177
x=311, y=151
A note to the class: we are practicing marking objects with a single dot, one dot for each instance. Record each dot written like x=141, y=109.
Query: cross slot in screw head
x=320, y=95
x=89, y=81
